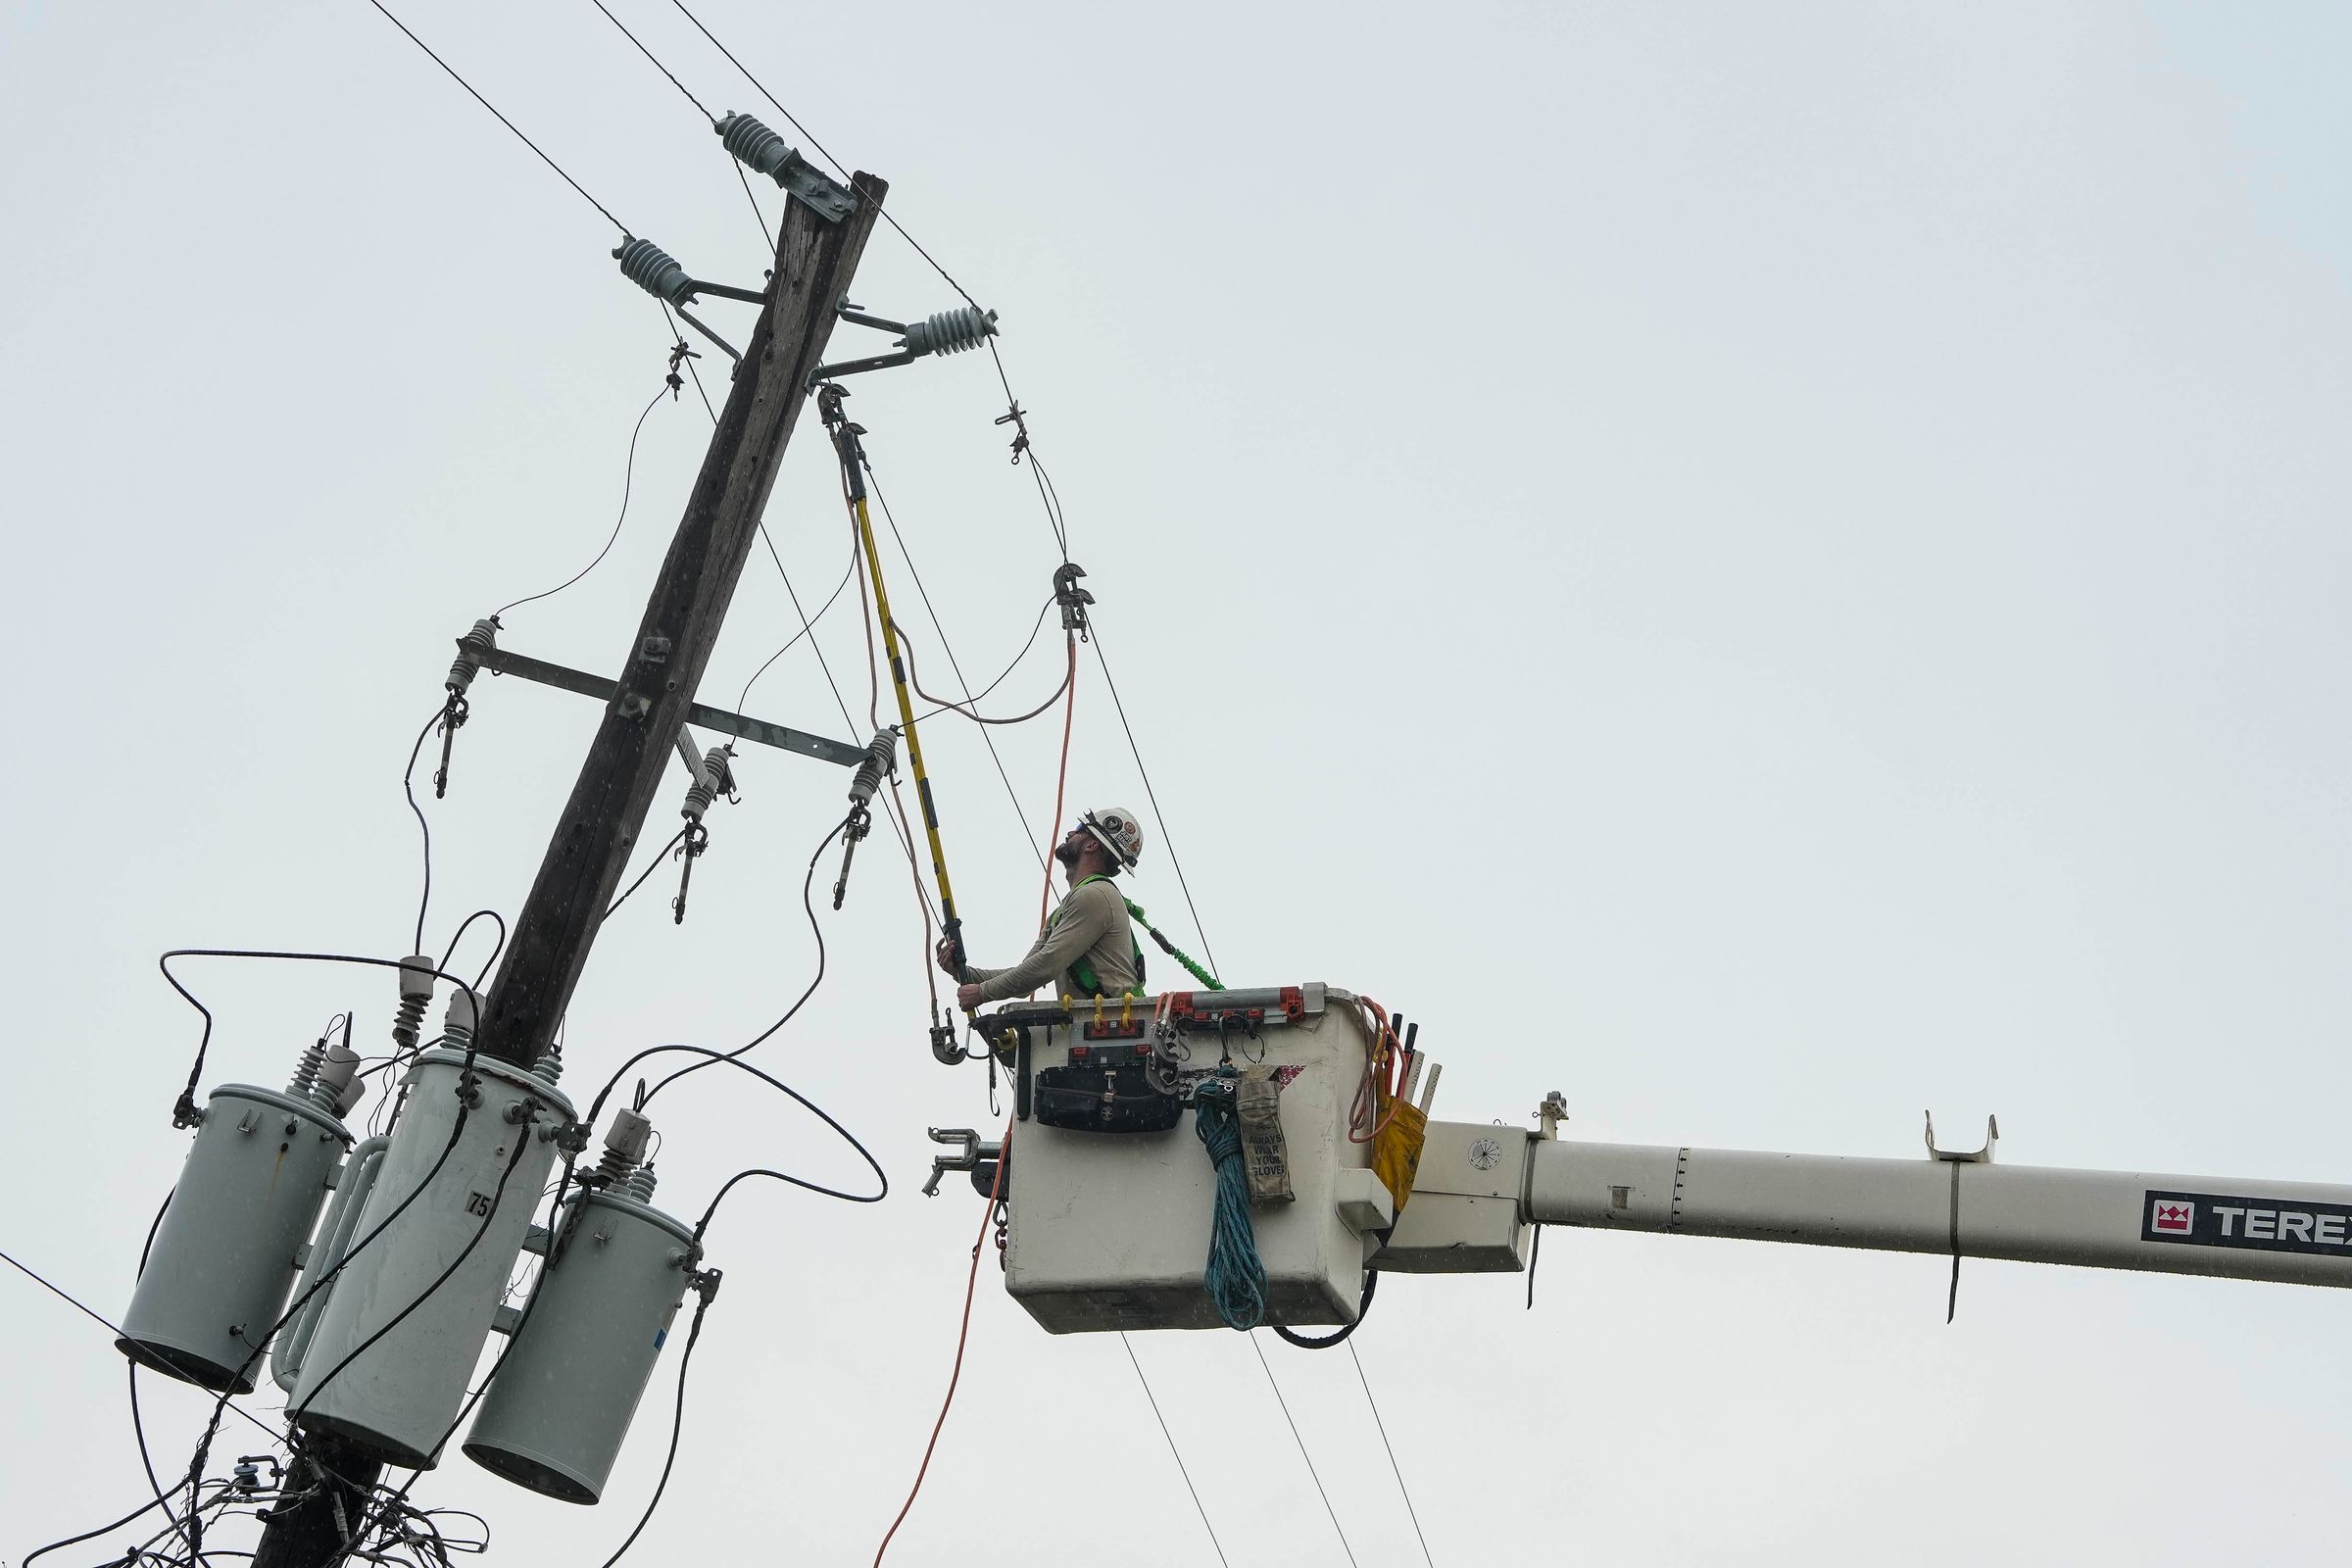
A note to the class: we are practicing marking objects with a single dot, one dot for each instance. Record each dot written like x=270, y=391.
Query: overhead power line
x=1303, y=1454
x=502, y=118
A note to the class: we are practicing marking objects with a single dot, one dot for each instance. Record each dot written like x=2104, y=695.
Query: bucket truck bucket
x=1112, y=1192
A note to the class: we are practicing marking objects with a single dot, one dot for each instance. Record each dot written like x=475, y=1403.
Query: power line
x=1303, y=1454
x=628, y=479
x=924, y=594
x=1013, y=404
x=275, y=1436
x=1129, y=1346
x=502, y=120
x=657, y=65
x=1153, y=795
x=1383, y=1427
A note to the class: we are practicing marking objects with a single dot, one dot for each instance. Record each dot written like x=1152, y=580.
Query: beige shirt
x=1091, y=923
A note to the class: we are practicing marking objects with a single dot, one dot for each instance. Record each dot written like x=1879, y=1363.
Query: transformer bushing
x=218, y=1274
x=407, y=1316
x=570, y=1383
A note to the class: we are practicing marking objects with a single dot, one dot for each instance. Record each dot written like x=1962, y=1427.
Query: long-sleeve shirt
x=1091, y=923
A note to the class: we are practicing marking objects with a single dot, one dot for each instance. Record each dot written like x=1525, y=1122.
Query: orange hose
x=962, y=1332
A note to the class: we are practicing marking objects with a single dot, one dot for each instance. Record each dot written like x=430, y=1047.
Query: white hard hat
x=1115, y=828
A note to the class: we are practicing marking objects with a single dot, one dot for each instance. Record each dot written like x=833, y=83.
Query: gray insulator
x=655, y=271
x=881, y=756
x=755, y=146
x=638, y=1185
x=549, y=1069
x=305, y=1082
x=950, y=331
x=472, y=647
x=408, y=1024
x=705, y=787
x=323, y=1077
x=415, y=995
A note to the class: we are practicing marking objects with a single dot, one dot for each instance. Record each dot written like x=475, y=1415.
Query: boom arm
x=1951, y=1204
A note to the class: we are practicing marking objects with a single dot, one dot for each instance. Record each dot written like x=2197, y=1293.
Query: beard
x=1068, y=853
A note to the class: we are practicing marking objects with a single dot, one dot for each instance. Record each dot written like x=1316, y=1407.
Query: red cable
x=1062, y=778
x=970, y=1284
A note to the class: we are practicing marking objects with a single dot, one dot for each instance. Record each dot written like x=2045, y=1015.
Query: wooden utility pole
x=816, y=258
x=600, y=826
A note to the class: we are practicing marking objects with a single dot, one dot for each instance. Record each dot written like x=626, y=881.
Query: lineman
x=1087, y=948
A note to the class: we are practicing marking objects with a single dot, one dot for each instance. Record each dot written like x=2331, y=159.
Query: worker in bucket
x=1088, y=948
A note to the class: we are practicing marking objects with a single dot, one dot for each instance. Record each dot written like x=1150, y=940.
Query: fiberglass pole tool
x=844, y=435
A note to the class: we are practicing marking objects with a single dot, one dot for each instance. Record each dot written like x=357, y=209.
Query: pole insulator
x=655, y=271
x=953, y=332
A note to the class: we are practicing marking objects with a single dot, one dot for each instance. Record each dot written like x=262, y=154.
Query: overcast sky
x=1768, y=567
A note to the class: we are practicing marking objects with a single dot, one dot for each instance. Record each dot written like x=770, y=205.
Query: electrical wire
x=874, y=482
x=963, y=1331
x=1013, y=414
x=1401, y=1489
x=914, y=679
x=138, y=1432
x=204, y=1041
x=657, y=65
x=653, y=865
x=745, y=696
x=408, y=787
x=817, y=930
x=451, y=951
x=1035, y=628
x=502, y=120
x=628, y=480
x=1303, y=1454
x=677, y=1422
x=1153, y=795
x=1197, y=1507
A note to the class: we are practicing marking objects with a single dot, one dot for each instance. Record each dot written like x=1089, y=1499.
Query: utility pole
x=816, y=256
x=815, y=260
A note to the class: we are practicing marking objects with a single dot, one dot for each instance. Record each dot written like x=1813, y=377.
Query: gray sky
x=1766, y=567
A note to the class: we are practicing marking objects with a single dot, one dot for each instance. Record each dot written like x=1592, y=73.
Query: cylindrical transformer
x=408, y=1312
x=224, y=1256
x=569, y=1385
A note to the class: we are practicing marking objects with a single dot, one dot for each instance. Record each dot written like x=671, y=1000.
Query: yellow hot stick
x=950, y=925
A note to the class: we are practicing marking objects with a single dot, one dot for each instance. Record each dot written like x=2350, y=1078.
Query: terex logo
x=2260, y=1224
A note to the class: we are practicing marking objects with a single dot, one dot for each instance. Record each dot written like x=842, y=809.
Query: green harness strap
x=1169, y=948
x=1090, y=984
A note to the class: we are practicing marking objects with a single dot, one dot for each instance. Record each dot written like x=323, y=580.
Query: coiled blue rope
x=1236, y=1277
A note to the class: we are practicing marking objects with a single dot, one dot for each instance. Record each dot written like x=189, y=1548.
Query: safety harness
x=1089, y=984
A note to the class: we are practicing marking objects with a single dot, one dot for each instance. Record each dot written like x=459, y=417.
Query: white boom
x=2295, y=1232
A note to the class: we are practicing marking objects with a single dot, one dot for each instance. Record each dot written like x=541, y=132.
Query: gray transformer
x=410, y=1308
x=570, y=1383
x=216, y=1277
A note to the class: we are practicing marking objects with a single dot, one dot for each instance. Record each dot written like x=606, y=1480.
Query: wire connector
x=1072, y=599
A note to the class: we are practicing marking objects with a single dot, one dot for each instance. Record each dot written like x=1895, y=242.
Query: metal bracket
x=946, y=333
x=838, y=753
x=970, y=1152
x=1554, y=1110
x=761, y=149
x=1981, y=1156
